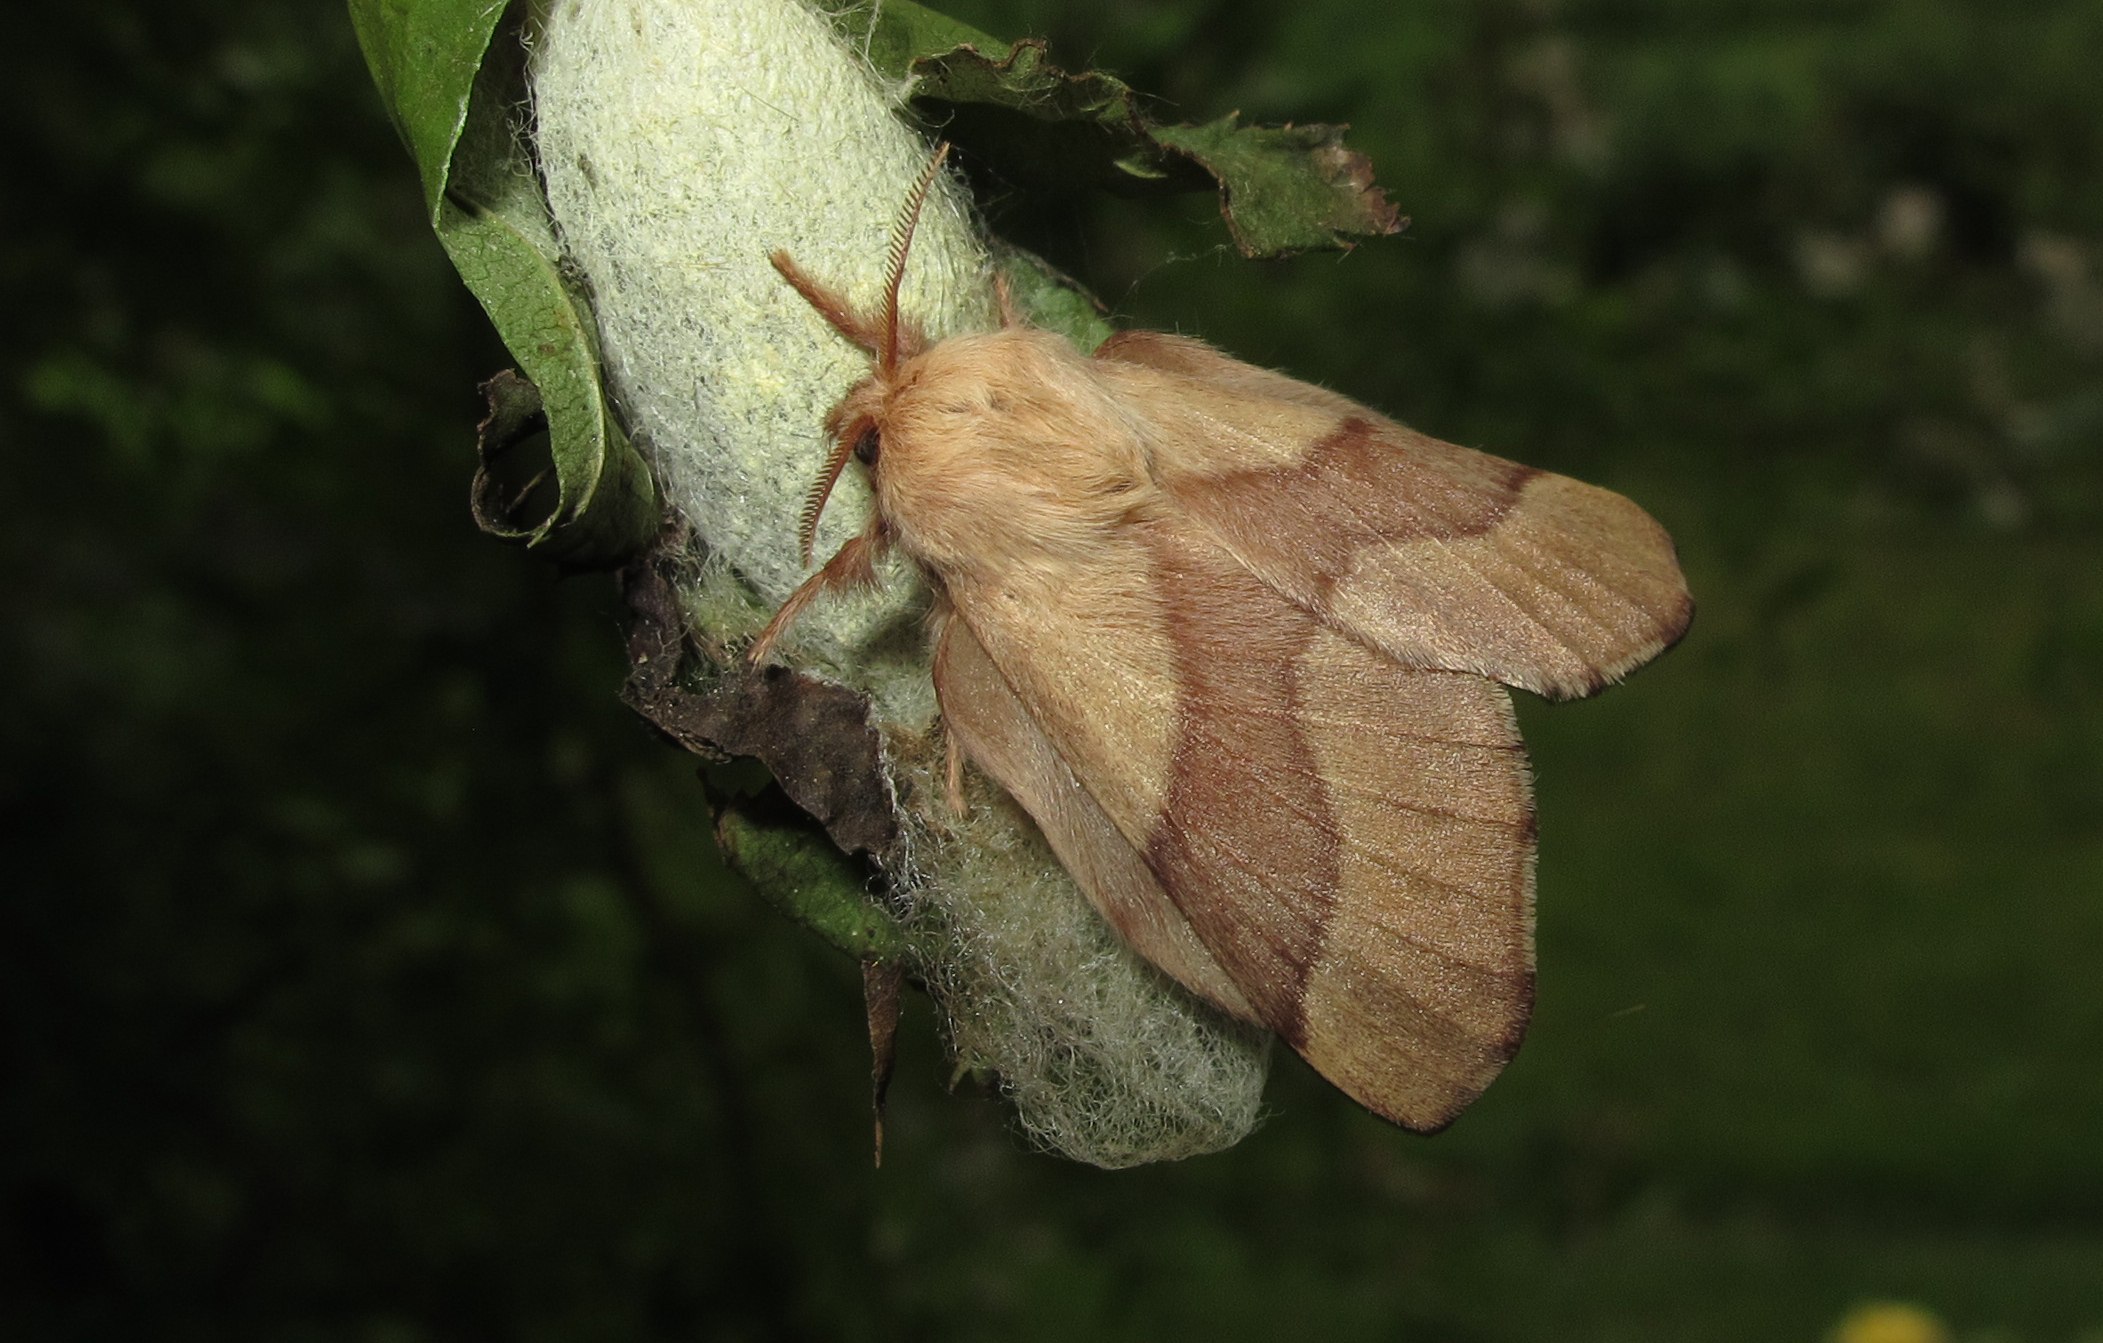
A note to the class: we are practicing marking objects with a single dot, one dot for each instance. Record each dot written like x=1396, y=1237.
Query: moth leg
x=854, y=565
x=1004, y=299
x=838, y=313
x=952, y=749
x=953, y=754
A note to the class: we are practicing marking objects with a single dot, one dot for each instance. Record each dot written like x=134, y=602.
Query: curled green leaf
x=811, y=881
x=424, y=55
x=451, y=72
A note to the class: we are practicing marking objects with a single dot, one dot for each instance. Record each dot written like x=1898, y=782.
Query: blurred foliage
x=367, y=974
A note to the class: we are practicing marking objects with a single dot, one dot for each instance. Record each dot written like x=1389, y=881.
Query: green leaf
x=800, y=872
x=451, y=72
x=1050, y=300
x=424, y=55
x=1281, y=189
x=894, y=34
x=1287, y=188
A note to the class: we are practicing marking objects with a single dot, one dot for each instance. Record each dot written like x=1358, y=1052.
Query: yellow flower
x=1889, y=1322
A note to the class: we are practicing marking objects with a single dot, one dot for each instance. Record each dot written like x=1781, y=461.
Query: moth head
x=890, y=340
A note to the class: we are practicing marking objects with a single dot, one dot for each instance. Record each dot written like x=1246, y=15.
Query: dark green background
x=365, y=971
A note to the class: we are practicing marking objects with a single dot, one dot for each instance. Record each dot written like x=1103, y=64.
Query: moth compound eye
x=867, y=446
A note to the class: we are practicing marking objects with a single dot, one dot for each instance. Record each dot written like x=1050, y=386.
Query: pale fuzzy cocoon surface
x=682, y=141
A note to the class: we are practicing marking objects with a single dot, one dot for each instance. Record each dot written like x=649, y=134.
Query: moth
x=1239, y=646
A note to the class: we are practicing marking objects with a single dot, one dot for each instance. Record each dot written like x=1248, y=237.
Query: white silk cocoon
x=681, y=142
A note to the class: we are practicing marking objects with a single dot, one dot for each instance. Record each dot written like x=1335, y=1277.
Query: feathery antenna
x=820, y=491
x=901, y=242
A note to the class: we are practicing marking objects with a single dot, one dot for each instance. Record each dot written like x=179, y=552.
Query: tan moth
x=1239, y=647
